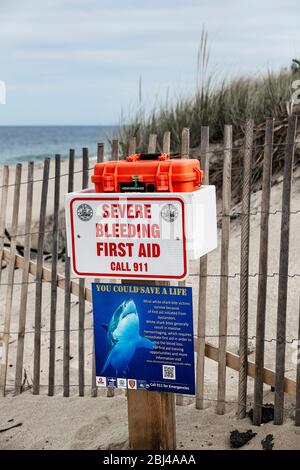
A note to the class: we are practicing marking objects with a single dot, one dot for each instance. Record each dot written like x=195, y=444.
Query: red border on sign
x=120, y=275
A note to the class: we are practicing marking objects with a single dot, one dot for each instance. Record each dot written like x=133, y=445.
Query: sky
x=80, y=61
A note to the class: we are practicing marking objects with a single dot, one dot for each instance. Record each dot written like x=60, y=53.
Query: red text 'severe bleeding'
x=130, y=211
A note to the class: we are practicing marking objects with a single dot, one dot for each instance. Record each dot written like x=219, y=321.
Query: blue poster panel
x=144, y=337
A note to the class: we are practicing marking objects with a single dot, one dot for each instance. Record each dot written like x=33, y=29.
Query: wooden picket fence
x=30, y=270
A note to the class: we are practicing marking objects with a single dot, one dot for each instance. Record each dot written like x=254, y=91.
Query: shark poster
x=144, y=337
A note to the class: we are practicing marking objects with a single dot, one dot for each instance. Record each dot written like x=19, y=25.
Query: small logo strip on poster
x=101, y=381
x=112, y=382
x=121, y=382
x=132, y=384
x=142, y=385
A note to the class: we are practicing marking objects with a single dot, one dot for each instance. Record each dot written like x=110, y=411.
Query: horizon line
x=59, y=125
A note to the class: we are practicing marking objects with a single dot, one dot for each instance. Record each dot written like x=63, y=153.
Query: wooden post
x=263, y=271
x=81, y=310
x=5, y=179
x=39, y=281
x=10, y=277
x=25, y=277
x=67, y=299
x=114, y=156
x=185, y=152
x=202, y=285
x=297, y=413
x=283, y=269
x=244, y=271
x=223, y=308
x=151, y=420
x=151, y=415
x=53, y=305
x=94, y=390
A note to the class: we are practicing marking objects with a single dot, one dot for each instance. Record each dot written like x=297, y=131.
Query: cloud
x=98, y=49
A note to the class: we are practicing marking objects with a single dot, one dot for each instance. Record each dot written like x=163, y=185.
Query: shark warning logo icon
x=132, y=384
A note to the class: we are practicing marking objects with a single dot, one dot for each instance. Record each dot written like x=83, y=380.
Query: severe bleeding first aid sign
x=127, y=237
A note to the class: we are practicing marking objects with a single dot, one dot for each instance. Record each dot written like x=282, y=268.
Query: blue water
x=25, y=143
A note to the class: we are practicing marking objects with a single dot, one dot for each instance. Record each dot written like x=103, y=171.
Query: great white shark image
x=123, y=338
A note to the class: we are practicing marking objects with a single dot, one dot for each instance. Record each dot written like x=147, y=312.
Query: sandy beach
x=101, y=423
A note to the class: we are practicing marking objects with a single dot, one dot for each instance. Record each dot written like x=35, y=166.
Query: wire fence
x=220, y=150
x=44, y=262
x=249, y=338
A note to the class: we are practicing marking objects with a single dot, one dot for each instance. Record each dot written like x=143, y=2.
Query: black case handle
x=150, y=156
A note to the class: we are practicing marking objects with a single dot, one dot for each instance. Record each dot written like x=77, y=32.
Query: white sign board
x=127, y=236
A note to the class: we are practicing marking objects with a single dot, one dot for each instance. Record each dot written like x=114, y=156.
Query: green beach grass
x=214, y=105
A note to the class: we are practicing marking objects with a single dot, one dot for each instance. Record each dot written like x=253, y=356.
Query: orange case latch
x=164, y=179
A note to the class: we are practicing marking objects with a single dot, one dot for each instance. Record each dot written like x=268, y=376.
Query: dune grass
x=214, y=105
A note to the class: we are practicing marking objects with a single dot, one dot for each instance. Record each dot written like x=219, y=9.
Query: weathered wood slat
x=223, y=308
x=100, y=152
x=263, y=270
x=283, y=269
x=132, y=145
x=39, y=280
x=5, y=179
x=297, y=411
x=185, y=143
x=152, y=143
x=25, y=277
x=10, y=277
x=167, y=142
x=244, y=270
x=185, y=152
x=53, y=302
x=114, y=156
x=115, y=150
x=81, y=309
x=204, y=153
x=67, y=296
x=233, y=362
x=46, y=275
x=94, y=390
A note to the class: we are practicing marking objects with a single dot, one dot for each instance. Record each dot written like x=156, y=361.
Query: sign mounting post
x=146, y=218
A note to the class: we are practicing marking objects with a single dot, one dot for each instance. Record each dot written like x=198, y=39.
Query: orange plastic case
x=145, y=172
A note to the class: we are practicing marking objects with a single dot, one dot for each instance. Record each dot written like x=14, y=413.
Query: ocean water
x=34, y=143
